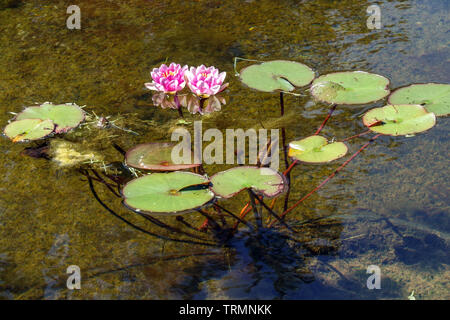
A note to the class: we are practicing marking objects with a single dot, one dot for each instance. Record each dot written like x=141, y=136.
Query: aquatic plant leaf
x=435, y=97
x=352, y=87
x=277, y=75
x=154, y=156
x=167, y=193
x=316, y=149
x=399, y=120
x=65, y=116
x=263, y=181
x=29, y=129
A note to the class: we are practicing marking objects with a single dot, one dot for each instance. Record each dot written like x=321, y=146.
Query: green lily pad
x=277, y=75
x=435, y=97
x=264, y=181
x=167, y=193
x=154, y=156
x=399, y=120
x=316, y=149
x=352, y=87
x=65, y=116
x=29, y=129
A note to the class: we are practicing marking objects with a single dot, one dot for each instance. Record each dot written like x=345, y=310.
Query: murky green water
x=389, y=207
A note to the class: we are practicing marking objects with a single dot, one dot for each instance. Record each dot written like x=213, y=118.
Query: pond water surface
x=389, y=207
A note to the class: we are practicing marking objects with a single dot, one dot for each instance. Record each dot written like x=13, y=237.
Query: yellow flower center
x=168, y=74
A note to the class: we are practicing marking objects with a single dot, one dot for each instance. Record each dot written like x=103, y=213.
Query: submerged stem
x=91, y=186
x=161, y=224
x=177, y=102
x=271, y=212
x=234, y=216
x=255, y=209
x=357, y=135
x=327, y=179
x=333, y=107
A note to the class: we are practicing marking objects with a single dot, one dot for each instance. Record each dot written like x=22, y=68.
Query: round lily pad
x=316, y=149
x=154, y=156
x=277, y=75
x=264, y=181
x=399, y=120
x=29, y=129
x=435, y=97
x=167, y=193
x=65, y=116
x=352, y=87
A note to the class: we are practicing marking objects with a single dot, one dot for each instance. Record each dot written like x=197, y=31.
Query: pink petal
x=215, y=89
x=223, y=87
x=222, y=77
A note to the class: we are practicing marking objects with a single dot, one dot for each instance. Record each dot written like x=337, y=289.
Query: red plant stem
x=285, y=172
x=204, y=225
x=285, y=152
x=234, y=216
x=245, y=210
x=333, y=107
x=327, y=179
x=242, y=213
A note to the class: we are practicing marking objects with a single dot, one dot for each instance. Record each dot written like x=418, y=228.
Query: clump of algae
x=71, y=154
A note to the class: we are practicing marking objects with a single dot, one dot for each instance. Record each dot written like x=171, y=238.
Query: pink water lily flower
x=205, y=82
x=168, y=79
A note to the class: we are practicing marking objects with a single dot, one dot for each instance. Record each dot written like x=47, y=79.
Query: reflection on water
x=389, y=207
x=191, y=102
